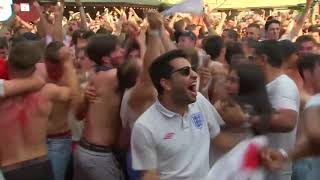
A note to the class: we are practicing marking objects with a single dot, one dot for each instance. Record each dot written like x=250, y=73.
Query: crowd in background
x=256, y=73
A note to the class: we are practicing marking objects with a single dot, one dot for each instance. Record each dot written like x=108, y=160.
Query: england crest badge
x=197, y=120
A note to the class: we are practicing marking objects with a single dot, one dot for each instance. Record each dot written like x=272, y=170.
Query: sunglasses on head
x=185, y=71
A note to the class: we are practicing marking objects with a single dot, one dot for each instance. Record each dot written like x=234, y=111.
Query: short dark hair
x=254, y=25
x=100, y=46
x=127, y=75
x=51, y=52
x=31, y=36
x=272, y=50
x=232, y=34
x=252, y=89
x=213, y=45
x=288, y=48
x=24, y=55
x=272, y=21
x=233, y=48
x=305, y=38
x=308, y=62
x=161, y=68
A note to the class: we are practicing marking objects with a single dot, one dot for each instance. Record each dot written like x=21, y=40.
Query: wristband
x=154, y=32
x=284, y=153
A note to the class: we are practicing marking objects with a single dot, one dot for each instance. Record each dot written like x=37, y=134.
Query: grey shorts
x=91, y=165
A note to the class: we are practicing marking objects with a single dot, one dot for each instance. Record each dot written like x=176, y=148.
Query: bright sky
x=246, y=3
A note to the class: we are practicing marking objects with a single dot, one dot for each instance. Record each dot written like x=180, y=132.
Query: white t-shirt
x=314, y=101
x=283, y=94
x=176, y=146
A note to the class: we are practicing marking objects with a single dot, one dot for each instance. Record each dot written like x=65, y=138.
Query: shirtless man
x=24, y=118
x=59, y=134
x=94, y=157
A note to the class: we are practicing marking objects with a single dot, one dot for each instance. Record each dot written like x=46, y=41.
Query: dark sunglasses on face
x=185, y=71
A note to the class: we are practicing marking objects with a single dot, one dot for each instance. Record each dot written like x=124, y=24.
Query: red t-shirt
x=3, y=69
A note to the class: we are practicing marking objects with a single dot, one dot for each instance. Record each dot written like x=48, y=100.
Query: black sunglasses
x=185, y=71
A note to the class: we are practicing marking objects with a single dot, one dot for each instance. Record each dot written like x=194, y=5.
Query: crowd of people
x=128, y=97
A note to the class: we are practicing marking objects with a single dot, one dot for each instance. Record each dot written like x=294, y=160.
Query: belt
x=60, y=135
x=93, y=147
x=24, y=163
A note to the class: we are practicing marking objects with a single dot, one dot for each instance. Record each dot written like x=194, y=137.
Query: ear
x=166, y=85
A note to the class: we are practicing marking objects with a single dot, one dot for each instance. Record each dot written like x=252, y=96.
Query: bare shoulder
x=109, y=77
x=111, y=74
x=53, y=91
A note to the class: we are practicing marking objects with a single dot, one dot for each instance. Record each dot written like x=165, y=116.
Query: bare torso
x=103, y=122
x=23, y=127
x=58, y=119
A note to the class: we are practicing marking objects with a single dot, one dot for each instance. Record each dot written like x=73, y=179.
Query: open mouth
x=193, y=89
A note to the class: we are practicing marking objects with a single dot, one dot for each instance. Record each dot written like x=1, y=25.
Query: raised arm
x=69, y=78
x=221, y=23
x=88, y=15
x=83, y=18
x=57, y=34
x=143, y=93
x=117, y=10
x=300, y=22
x=135, y=15
x=141, y=39
x=154, y=39
x=43, y=23
x=23, y=23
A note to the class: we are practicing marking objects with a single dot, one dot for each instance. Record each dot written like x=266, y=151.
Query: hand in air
x=155, y=20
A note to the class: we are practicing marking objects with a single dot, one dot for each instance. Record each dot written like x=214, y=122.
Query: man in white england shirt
x=171, y=139
x=284, y=97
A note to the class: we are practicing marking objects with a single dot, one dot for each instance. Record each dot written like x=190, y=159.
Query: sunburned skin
x=23, y=128
x=58, y=120
x=54, y=71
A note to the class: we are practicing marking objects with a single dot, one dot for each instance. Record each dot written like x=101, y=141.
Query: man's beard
x=181, y=97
